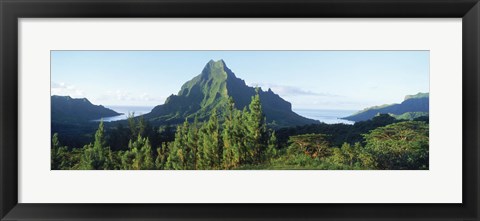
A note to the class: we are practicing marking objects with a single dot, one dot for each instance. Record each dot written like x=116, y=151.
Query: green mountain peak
x=216, y=69
x=219, y=63
x=209, y=86
x=211, y=89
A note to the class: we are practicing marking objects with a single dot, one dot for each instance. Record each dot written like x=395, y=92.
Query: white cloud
x=65, y=90
x=126, y=97
x=286, y=91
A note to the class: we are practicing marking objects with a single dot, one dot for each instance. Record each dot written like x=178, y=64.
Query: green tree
x=256, y=130
x=162, y=156
x=132, y=125
x=353, y=157
x=401, y=145
x=272, y=146
x=313, y=145
x=97, y=156
x=192, y=144
x=212, y=147
x=364, y=157
x=139, y=155
x=231, y=154
x=344, y=155
x=174, y=160
x=141, y=127
x=127, y=157
x=242, y=132
x=209, y=147
x=58, y=158
x=148, y=162
x=178, y=156
x=87, y=160
x=202, y=156
x=142, y=152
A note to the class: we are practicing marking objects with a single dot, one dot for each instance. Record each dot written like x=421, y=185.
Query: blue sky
x=350, y=80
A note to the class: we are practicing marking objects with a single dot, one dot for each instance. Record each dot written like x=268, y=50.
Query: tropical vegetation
x=241, y=139
x=217, y=122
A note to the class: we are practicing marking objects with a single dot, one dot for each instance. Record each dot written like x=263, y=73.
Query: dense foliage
x=241, y=139
x=402, y=145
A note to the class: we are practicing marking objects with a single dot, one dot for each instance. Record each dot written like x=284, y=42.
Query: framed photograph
x=229, y=110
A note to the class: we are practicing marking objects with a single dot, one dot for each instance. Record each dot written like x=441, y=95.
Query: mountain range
x=197, y=97
x=412, y=107
x=73, y=110
x=211, y=89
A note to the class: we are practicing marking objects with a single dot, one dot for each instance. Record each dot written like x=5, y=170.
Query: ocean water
x=124, y=110
x=326, y=116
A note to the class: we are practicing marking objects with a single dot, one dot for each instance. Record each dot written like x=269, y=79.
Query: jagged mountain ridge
x=210, y=90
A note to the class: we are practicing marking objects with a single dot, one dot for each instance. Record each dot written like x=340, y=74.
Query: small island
x=218, y=121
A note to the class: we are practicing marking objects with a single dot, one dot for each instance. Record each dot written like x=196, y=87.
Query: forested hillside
x=211, y=90
x=242, y=140
x=72, y=110
x=217, y=122
x=412, y=107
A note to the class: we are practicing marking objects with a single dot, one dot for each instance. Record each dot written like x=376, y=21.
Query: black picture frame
x=12, y=10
